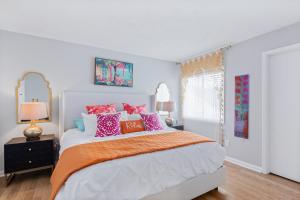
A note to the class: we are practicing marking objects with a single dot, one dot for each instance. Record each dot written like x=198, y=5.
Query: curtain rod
x=224, y=47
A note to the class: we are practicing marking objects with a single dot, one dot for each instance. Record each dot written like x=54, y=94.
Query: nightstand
x=22, y=156
x=178, y=126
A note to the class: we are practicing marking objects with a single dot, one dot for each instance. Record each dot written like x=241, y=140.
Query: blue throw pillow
x=79, y=124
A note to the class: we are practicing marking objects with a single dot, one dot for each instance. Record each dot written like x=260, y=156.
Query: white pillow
x=163, y=122
x=134, y=117
x=90, y=124
x=124, y=116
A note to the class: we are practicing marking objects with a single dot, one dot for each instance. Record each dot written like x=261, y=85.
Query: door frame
x=265, y=102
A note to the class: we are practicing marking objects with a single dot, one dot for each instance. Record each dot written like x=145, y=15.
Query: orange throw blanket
x=80, y=156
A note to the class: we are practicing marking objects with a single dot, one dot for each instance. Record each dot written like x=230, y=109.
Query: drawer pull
x=29, y=161
x=29, y=149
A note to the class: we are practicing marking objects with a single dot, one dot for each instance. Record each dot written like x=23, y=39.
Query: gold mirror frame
x=49, y=97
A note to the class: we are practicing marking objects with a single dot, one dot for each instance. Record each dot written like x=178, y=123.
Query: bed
x=179, y=173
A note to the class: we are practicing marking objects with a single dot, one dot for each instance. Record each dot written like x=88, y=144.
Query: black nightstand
x=22, y=156
x=178, y=126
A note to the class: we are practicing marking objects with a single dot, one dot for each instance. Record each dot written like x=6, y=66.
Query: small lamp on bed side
x=33, y=111
x=168, y=106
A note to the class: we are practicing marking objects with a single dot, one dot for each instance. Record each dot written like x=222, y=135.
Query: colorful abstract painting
x=241, y=106
x=113, y=73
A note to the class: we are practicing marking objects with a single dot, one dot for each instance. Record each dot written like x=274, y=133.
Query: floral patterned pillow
x=134, y=109
x=97, y=109
x=108, y=124
x=151, y=122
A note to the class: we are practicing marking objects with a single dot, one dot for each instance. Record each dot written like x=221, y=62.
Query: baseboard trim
x=245, y=164
x=1, y=173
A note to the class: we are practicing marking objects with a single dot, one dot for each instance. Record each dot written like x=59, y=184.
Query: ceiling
x=165, y=29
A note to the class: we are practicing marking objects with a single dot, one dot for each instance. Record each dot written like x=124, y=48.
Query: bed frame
x=72, y=105
x=192, y=188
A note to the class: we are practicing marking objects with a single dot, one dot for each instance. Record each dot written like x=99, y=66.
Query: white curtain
x=202, y=97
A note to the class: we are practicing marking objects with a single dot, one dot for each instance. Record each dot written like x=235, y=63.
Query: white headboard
x=72, y=104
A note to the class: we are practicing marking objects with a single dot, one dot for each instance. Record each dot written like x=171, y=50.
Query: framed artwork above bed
x=113, y=73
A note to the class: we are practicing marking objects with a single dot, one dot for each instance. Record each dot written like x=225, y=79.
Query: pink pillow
x=151, y=122
x=97, y=109
x=108, y=124
x=134, y=109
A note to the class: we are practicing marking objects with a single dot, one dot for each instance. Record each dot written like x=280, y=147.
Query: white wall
x=66, y=66
x=207, y=128
x=246, y=58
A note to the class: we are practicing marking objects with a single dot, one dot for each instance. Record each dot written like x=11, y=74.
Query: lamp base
x=33, y=132
x=169, y=121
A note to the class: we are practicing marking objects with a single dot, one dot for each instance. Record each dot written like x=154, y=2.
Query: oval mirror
x=33, y=87
x=162, y=95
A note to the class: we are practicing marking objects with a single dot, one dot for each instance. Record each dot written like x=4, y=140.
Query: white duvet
x=138, y=176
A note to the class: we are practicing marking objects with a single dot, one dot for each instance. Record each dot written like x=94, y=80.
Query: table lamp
x=168, y=106
x=33, y=111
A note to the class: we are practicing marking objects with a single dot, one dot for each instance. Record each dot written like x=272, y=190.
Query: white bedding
x=138, y=176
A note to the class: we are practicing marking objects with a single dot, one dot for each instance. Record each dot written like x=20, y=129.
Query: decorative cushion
x=151, y=122
x=132, y=126
x=163, y=122
x=134, y=116
x=124, y=116
x=90, y=124
x=134, y=109
x=98, y=109
x=79, y=124
x=108, y=124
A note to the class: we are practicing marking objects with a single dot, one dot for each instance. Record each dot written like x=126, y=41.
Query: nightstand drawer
x=27, y=162
x=19, y=151
x=29, y=147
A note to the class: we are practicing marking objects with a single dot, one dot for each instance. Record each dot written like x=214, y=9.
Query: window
x=202, y=96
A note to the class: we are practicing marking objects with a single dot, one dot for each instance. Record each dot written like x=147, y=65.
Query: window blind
x=202, y=96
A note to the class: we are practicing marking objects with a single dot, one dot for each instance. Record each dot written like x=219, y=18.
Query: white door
x=284, y=110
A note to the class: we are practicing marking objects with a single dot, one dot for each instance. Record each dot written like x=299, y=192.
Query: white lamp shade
x=168, y=106
x=33, y=111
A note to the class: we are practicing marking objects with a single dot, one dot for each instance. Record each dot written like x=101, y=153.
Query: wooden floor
x=241, y=184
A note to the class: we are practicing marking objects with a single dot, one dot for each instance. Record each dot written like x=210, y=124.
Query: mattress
x=138, y=176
